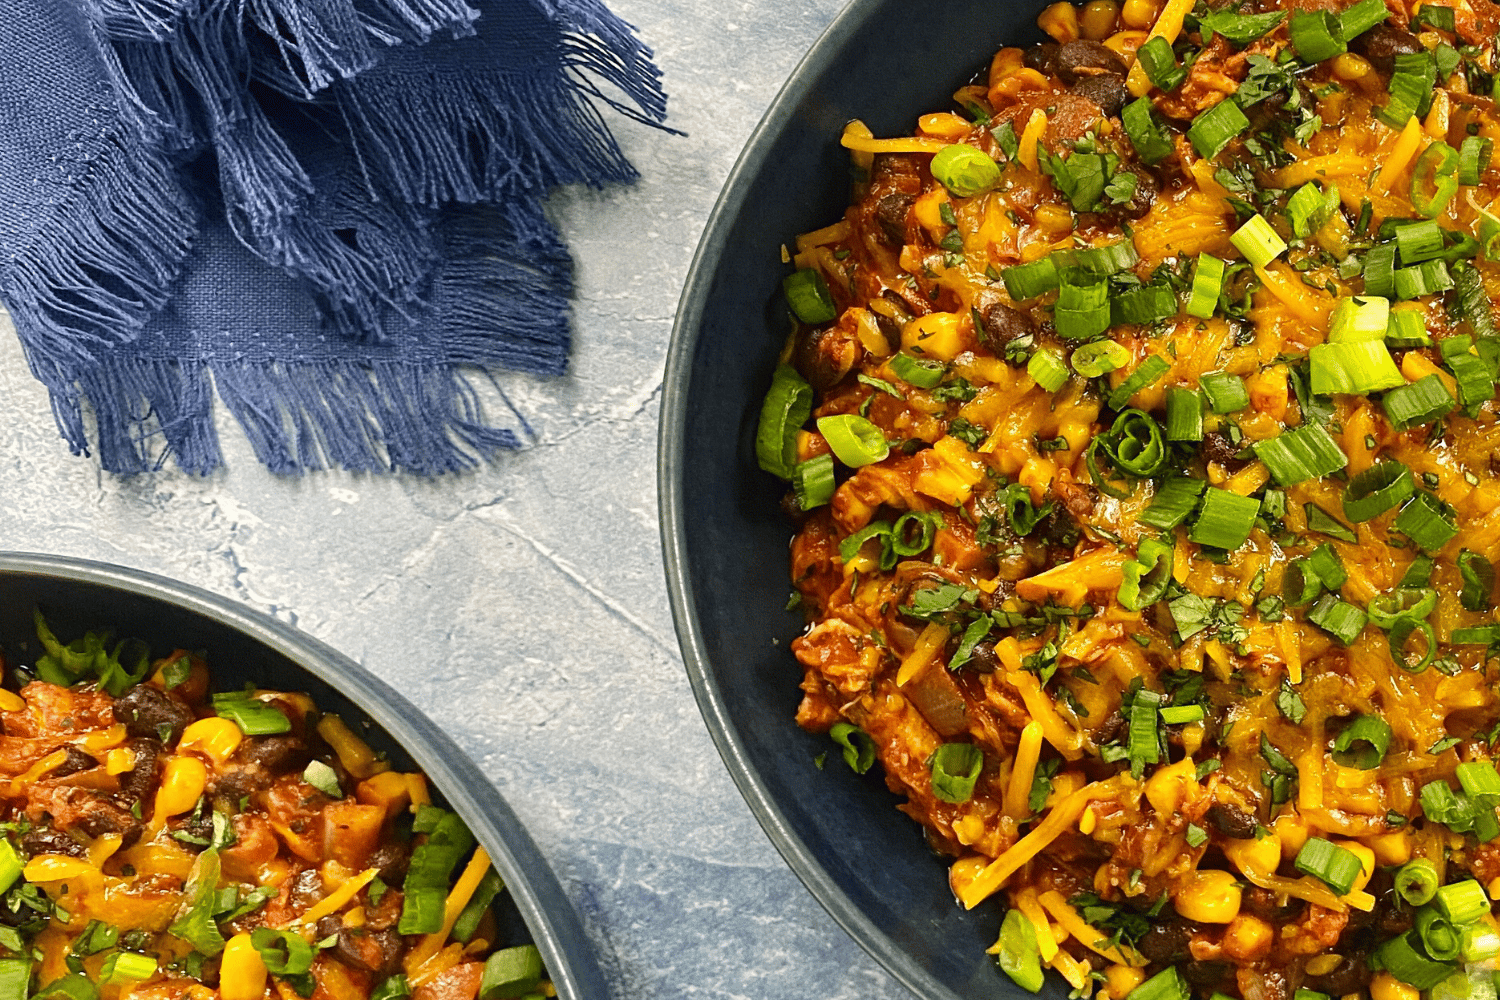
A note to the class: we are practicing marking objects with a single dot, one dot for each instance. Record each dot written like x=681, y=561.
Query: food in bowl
x=1140, y=425
x=164, y=840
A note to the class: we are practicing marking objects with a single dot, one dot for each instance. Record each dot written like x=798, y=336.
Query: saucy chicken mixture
x=1140, y=425
x=162, y=842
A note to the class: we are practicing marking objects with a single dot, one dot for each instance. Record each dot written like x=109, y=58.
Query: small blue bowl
x=885, y=62
x=245, y=646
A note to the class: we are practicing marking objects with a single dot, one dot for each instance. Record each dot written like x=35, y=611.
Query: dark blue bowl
x=725, y=540
x=246, y=646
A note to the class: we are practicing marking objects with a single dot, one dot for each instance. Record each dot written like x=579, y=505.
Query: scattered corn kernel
x=1140, y=14
x=119, y=760
x=1060, y=21
x=1292, y=832
x=1387, y=987
x=213, y=737
x=1210, y=897
x=1098, y=19
x=242, y=973
x=1167, y=788
x=182, y=785
x=1121, y=979
x=1248, y=938
x=1392, y=848
x=1322, y=965
x=1349, y=66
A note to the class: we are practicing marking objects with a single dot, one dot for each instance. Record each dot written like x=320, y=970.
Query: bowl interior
x=245, y=647
x=725, y=537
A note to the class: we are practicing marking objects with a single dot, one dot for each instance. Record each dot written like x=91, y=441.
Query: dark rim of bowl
x=551, y=918
x=673, y=526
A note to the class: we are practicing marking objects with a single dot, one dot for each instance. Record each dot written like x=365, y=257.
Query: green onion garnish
x=1419, y=572
x=255, y=718
x=1473, y=157
x=1143, y=305
x=1160, y=64
x=1300, y=582
x=1027, y=281
x=1147, y=575
x=124, y=967
x=1257, y=240
x=1175, y=499
x=1410, y=88
x=1362, y=743
x=786, y=408
x=1417, y=881
x=15, y=978
x=1465, y=902
x=1359, y=317
x=511, y=972
x=1403, y=602
x=1049, y=369
x=1439, y=937
x=285, y=953
x=1399, y=638
x=1330, y=568
x=1339, y=618
x=1134, y=444
x=1477, y=778
x=74, y=986
x=1408, y=328
x=1309, y=208
x=1434, y=179
x=907, y=542
x=1478, y=575
x=1431, y=15
x=1099, y=357
x=920, y=373
x=1098, y=262
x=808, y=295
x=1146, y=373
x=1226, y=393
x=1337, y=866
x=1426, y=278
x=1082, y=309
x=1476, y=635
x=1184, y=415
x=1176, y=715
x=854, y=440
x=10, y=865
x=1215, y=128
x=1208, y=282
x=1380, y=270
x=1382, y=487
x=1361, y=17
x=1480, y=942
x=964, y=170
x=1403, y=957
x=1225, y=521
x=1358, y=367
x=1019, y=955
x=429, y=876
x=1167, y=984
x=812, y=482
x=1473, y=301
x=1150, y=139
x=955, y=769
x=1302, y=453
x=858, y=746
x=1316, y=36
x=1427, y=521
x=1418, y=241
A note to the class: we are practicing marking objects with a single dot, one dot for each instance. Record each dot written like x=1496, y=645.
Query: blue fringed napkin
x=326, y=211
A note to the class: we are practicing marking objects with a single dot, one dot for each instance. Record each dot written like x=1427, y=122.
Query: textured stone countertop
x=524, y=606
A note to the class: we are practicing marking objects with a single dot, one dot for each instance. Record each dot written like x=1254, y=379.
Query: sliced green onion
x=429, y=876
x=1208, y=282
x=255, y=718
x=1302, y=453
x=1226, y=393
x=906, y=543
x=859, y=746
x=1316, y=36
x=1226, y=520
x=1473, y=158
x=1417, y=881
x=1380, y=270
x=1049, y=369
x=1410, y=88
x=1325, y=562
x=1480, y=942
x=1027, y=281
x=1321, y=521
x=467, y=924
x=1399, y=638
x=1175, y=499
x=1362, y=743
x=1361, y=17
x=964, y=170
x=1419, y=241
x=808, y=295
x=1256, y=239
x=1305, y=210
x=1019, y=955
x=1408, y=328
x=1215, y=128
x=511, y=973
x=1151, y=141
x=1403, y=957
x=1473, y=301
x=1097, y=262
x=1427, y=521
x=1478, y=581
x=75, y=986
x=1465, y=902
x=1476, y=379
x=854, y=440
x=922, y=374
x=1300, y=583
x=15, y=978
x=1359, y=368
x=1476, y=635
x=1431, y=15
x=1147, y=373
x=1160, y=64
x=1143, y=305
x=1338, y=867
x=1419, y=573
x=955, y=769
x=285, y=953
x=786, y=408
x=1426, y=278
x=1340, y=619
x=10, y=865
x=1184, y=415
x=1359, y=317
x=1177, y=715
x=1099, y=357
x=1421, y=402
x=1439, y=937
x=1134, y=444
x=1167, y=984
x=1143, y=737
x=1241, y=29
x=1434, y=179
x=1082, y=309
x=812, y=482
x=1381, y=487
x=124, y=967
x=1145, y=578
x=1403, y=602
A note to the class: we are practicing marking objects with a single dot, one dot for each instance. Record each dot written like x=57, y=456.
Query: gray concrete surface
x=523, y=607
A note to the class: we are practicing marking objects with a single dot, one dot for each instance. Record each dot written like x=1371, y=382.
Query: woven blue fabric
x=325, y=213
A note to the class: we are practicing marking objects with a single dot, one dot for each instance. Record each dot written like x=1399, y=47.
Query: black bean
x=145, y=711
x=1041, y=56
x=1232, y=821
x=138, y=784
x=75, y=762
x=1166, y=942
x=890, y=214
x=392, y=860
x=1003, y=325
x=1105, y=89
x=105, y=817
x=277, y=754
x=983, y=659
x=1205, y=975
x=330, y=925
x=52, y=842
x=1383, y=43
x=374, y=951
x=823, y=358
x=1081, y=58
x=1218, y=448
x=1351, y=975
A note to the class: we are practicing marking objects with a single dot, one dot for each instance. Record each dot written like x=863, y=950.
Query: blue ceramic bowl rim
x=670, y=446
x=551, y=918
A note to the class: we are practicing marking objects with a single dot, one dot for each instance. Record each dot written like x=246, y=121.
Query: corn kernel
x=1322, y=965
x=182, y=786
x=1210, y=897
x=1349, y=66
x=1248, y=938
x=1167, y=788
x=944, y=124
x=1292, y=832
x=1060, y=21
x=936, y=335
x=1121, y=979
x=1098, y=19
x=1262, y=855
x=119, y=760
x=1087, y=822
x=1387, y=987
x=242, y=973
x=10, y=701
x=215, y=738
x=1392, y=848
x=1140, y=14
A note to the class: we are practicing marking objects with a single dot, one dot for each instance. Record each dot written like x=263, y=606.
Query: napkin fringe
x=100, y=264
x=144, y=410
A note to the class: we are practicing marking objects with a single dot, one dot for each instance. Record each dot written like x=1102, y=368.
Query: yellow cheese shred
x=1064, y=815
